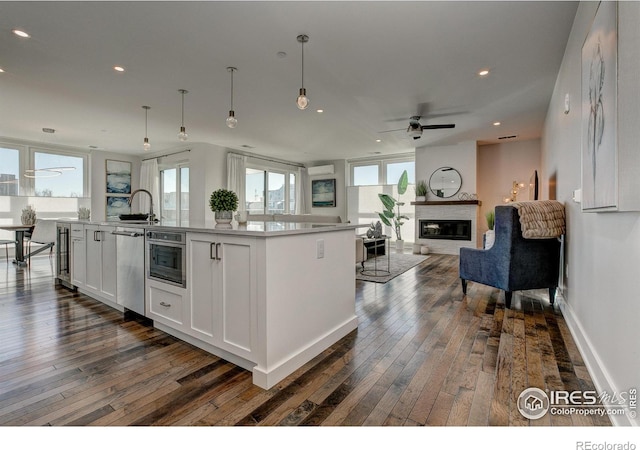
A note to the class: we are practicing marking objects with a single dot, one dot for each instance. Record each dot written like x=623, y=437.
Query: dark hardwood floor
x=423, y=354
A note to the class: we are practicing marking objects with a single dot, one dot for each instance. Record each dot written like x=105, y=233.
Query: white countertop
x=252, y=228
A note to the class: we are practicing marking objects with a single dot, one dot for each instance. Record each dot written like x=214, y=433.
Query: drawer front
x=77, y=231
x=165, y=304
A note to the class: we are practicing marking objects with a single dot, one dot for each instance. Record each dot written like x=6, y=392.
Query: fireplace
x=459, y=230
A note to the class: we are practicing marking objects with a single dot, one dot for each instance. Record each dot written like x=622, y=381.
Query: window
x=69, y=180
x=280, y=186
x=9, y=171
x=395, y=169
x=174, y=190
x=382, y=171
x=366, y=175
x=372, y=177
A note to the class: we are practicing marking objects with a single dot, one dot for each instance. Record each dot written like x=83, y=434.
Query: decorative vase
x=399, y=245
x=223, y=216
x=424, y=250
x=421, y=198
x=416, y=249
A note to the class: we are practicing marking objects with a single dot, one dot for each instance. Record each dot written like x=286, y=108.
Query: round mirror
x=445, y=182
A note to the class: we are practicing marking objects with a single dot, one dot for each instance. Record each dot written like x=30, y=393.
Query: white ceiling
x=365, y=64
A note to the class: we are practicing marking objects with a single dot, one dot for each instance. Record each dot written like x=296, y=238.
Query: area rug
x=398, y=262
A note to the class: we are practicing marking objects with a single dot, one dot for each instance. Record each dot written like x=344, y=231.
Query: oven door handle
x=218, y=257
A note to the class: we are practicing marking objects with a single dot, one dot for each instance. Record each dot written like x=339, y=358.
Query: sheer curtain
x=236, y=174
x=150, y=180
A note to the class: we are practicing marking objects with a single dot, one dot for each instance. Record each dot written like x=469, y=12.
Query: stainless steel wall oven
x=167, y=252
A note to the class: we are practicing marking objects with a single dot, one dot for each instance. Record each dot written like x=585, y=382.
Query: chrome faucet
x=151, y=217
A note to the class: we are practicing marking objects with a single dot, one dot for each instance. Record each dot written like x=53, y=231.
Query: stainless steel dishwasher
x=130, y=268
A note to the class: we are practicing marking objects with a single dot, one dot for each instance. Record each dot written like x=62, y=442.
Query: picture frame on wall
x=118, y=177
x=323, y=193
x=599, y=111
x=116, y=205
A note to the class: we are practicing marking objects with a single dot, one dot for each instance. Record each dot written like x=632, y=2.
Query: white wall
x=602, y=250
x=461, y=157
x=499, y=165
x=97, y=169
x=340, y=174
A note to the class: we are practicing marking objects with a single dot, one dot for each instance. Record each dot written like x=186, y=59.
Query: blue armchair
x=513, y=263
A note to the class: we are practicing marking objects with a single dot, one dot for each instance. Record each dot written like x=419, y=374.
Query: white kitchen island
x=268, y=296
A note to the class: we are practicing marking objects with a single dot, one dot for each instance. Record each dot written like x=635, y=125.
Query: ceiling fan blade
x=437, y=127
x=389, y=131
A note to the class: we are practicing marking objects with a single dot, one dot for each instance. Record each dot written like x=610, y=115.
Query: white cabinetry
x=222, y=291
x=78, y=256
x=100, y=251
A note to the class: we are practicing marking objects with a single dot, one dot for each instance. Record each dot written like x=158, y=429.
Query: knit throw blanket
x=541, y=219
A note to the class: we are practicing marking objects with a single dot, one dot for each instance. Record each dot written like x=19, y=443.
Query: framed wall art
x=116, y=205
x=599, y=111
x=323, y=193
x=118, y=177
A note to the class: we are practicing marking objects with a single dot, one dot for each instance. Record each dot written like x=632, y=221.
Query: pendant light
x=146, y=144
x=183, y=132
x=231, y=120
x=302, y=100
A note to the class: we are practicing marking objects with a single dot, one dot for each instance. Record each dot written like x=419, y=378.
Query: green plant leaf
x=384, y=219
x=387, y=201
x=389, y=214
x=403, y=183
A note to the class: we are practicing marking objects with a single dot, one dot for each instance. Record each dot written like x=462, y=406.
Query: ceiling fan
x=415, y=128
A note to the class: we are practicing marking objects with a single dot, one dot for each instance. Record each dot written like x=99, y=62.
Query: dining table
x=20, y=231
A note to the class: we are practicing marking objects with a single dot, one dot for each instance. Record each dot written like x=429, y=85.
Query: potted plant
x=421, y=191
x=223, y=203
x=28, y=216
x=389, y=214
x=490, y=235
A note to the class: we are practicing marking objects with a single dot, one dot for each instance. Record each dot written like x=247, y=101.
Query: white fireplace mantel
x=447, y=210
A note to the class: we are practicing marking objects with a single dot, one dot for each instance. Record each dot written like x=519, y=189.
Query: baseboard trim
x=599, y=374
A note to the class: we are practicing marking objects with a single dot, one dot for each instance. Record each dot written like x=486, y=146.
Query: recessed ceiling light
x=1, y=70
x=496, y=124
x=48, y=130
x=320, y=111
x=282, y=54
x=118, y=68
x=93, y=146
x=378, y=140
x=22, y=34
x=483, y=73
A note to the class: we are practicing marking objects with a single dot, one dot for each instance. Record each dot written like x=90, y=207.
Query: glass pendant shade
x=146, y=145
x=231, y=120
x=302, y=100
x=182, y=135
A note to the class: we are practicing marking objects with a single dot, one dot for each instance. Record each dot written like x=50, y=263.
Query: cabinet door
x=93, y=257
x=108, y=263
x=78, y=262
x=235, y=295
x=201, y=273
